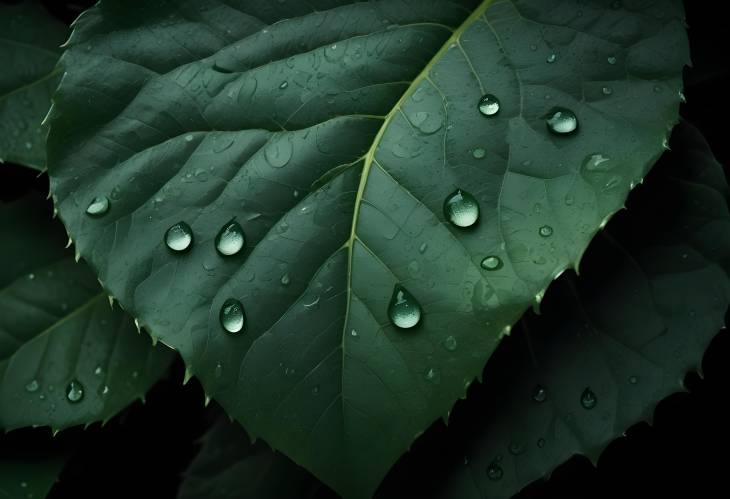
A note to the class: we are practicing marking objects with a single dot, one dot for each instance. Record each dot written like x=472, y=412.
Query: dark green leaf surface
x=29, y=477
x=654, y=292
x=29, y=49
x=229, y=465
x=333, y=131
x=56, y=326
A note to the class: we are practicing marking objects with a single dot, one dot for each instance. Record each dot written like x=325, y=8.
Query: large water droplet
x=32, y=386
x=492, y=262
x=562, y=121
x=74, y=391
x=539, y=394
x=98, y=206
x=588, y=399
x=489, y=105
x=179, y=237
x=279, y=153
x=231, y=239
x=232, y=317
x=461, y=209
x=404, y=310
x=494, y=471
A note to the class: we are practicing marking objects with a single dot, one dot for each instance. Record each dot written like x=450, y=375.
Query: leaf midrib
x=370, y=159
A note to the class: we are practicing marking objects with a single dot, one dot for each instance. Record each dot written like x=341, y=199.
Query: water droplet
x=546, y=231
x=450, y=343
x=492, y=262
x=479, y=153
x=432, y=375
x=588, y=399
x=189, y=138
x=489, y=105
x=516, y=448
x=74, y=391
x=315, y=390
x=539, y=394
x=232, y=317
x=354, y=333
x=32, y=386
x=607, y=90
x=552, y=58
x=98, y=371
x=461, y=209
x=279, y=152
x=404, y=310
x=218, y=372
x=422, y=249
x=283, y=85
x=611, y=60
x=541, y=442
x=231, y=239
x=597, y=163
x=98, y=206
x=179, y=237
x=285, y=280
x=494, y=471
x=562, y=121
x=633, y=380
x=426, y=122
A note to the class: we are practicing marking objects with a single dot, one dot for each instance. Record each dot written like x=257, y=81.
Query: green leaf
x=29, y=477
x=333, y=132
x=652, y=293
x=229, y=464
x=29, y=49
x=66, y=356
x=629, y=330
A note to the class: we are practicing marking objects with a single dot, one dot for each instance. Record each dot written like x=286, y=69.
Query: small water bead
x=552, y=58
x=607, y=90
x=612, y=60
x=461, y=209
x=32, y=386
x=432, y=375
x=422, y=249
x=479, y=153
x=516, y=448
x=494, y=471
x=179, y=237
x=218, y=371
x=231, y=239
x=492, y=263
x=285, y=280
x=546, y=231
x=633, y=380
x=597, y=163
x=588, y=399
x=98, y=206
x=562, y=121
x=284, y=85
x=489, y=105
x=539, y=394
x=404, y=310
x=232, y=316
x=74, y=391
x=541, y=442
x=450, y=343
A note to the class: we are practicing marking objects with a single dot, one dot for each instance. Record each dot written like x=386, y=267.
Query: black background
x=143, y=451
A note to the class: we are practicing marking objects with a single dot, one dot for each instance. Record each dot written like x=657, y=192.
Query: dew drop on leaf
x=450, y=343
x=492, y=262
x=179, y=237
x=489, y=105
x=461, y=209
x=98, y=206
x=74, y=391
x=539, y=394
x=230, y=239
x=546, y=231
x=32, y=386
x=404, y=310
x=588, y=399
x=432, y=375
x=494, y=471
x=479, y=153
x=552, y=58
x=562, y=121
x=232, y=317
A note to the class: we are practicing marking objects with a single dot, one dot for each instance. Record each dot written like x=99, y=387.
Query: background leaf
x=279, y=125
x=28, y=477
x=56, y=327
x=29, y=49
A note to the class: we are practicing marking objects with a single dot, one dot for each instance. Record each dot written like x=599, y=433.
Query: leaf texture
x=333, y=132
x=57, y=328
x=29, y=50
